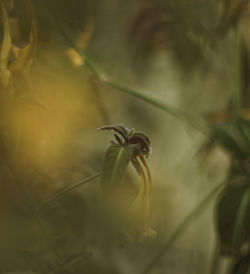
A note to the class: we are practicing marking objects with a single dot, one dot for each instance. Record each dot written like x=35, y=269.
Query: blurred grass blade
x=183, y=226
x=141, y=94
x=66, y=190
x=234, y=137
x=175, y=112
x=138, y=93
x=232, y=218
x=232, y=13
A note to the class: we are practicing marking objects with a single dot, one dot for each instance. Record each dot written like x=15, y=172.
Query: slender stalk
x=183, y=226
x=238, y=74
x=66, y=190
x=173, y=111
x=137, y=92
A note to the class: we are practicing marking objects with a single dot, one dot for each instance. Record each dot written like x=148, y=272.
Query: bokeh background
x=181, y=53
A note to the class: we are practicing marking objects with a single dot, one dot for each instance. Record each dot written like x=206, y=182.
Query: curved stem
x=66, y=190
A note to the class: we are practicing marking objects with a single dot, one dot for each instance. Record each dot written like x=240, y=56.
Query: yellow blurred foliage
x=40, y=124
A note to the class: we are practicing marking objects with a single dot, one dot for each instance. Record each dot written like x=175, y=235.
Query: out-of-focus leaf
x=5, y=47
x=180, y=27
x=234, y=137
x=24, y=56
x=82, y=43
x=225, y=134
x=232, y=218
x=115, y=162
x=231, y=12
x=242, y=266
x=244, y=126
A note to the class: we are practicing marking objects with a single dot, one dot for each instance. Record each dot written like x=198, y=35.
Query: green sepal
x=116, y=159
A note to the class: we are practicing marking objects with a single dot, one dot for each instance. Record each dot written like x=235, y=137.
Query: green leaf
x=232, y=217
x=244, y=126
x=234, y=137
x=116, y=160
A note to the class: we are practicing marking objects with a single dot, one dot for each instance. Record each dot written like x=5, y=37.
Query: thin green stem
x=183, y=226
x=66, y=190
x=238, y=79
x=139, y=93
x=175, y=112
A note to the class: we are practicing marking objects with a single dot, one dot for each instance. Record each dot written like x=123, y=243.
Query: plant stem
x=66, y=190
x=238, y=79
x=183, y=226
x=139, y=93
x=175, y=112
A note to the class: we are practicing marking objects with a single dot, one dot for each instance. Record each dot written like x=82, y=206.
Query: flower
x=134, y=147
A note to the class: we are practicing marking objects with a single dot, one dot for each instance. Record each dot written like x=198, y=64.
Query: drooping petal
x=141, y=205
